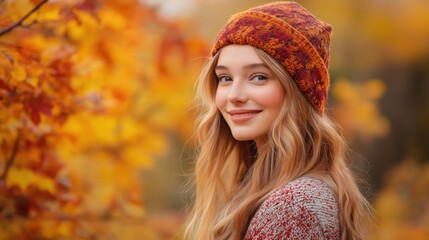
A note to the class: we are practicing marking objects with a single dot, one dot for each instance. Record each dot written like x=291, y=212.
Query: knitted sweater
x=302, y=209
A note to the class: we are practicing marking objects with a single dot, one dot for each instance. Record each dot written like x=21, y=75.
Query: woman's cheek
x=220, y=98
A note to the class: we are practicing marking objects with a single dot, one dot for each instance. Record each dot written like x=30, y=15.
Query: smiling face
x=248, y=94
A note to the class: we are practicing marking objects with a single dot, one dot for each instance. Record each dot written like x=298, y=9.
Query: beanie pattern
x=293, y=37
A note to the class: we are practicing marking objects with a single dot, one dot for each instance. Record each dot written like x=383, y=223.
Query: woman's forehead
x=239, y=56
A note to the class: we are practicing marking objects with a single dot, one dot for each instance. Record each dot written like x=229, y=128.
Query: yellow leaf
x=17, y=9
x=104, y=129
x=49, y=13
x=112, y=19
x=357, y=108
x=374, y=88
x=65, y=228
x=75, y=31
x=343, y=90
x=85, y=29
x=138, y=156
x=97, y=129
x=18, y=72
x=33, y=81
x=23, y=178
x=129, y=129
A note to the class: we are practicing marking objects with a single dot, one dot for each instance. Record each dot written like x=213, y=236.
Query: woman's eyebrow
x=220, y=67
x=252, y=65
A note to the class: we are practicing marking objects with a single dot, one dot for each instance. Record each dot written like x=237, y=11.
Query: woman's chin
x=243, y=137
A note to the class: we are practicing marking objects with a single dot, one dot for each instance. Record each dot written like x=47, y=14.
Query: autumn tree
x=88, y=89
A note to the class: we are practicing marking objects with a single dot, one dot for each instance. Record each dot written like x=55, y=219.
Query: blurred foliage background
x=95, y=111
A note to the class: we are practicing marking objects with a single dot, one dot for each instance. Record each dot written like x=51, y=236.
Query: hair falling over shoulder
x=232, y=178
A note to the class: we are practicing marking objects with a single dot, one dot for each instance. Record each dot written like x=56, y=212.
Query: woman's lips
x=240, y=116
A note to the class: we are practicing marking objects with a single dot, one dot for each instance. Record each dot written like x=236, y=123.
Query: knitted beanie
x=293, y=37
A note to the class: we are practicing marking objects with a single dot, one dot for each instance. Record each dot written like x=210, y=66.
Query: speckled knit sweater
x=302, y=209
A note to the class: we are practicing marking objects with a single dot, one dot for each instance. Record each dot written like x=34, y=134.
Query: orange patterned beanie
x=293, y=37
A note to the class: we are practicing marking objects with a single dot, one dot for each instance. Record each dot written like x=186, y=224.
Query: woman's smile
x=242, y=115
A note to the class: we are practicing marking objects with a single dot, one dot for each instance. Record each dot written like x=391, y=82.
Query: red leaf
x=35, y=117
x=42, y=104
x=4, y=86
x=87, y=5
x=37, y=105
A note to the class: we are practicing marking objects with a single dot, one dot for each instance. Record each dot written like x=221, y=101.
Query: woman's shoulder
x=303, y=190
x=305, y=208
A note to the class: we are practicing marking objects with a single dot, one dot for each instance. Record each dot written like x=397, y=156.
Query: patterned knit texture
x=303, y=209
x=293, y=37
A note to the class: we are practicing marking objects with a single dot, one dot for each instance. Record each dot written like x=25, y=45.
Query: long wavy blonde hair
x=232, y=178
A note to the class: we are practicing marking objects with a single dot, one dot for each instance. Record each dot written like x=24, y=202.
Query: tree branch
x=11, y=159
x=19, y=23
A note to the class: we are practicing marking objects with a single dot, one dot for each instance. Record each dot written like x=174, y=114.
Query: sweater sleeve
x=303, y=209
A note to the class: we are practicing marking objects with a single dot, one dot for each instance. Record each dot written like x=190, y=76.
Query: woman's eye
x=259, y=77
x=223, y=78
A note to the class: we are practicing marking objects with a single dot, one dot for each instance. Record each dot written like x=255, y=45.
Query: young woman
x=271, y=163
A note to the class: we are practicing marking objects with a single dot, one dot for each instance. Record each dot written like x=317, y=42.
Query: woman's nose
x=237, y=92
